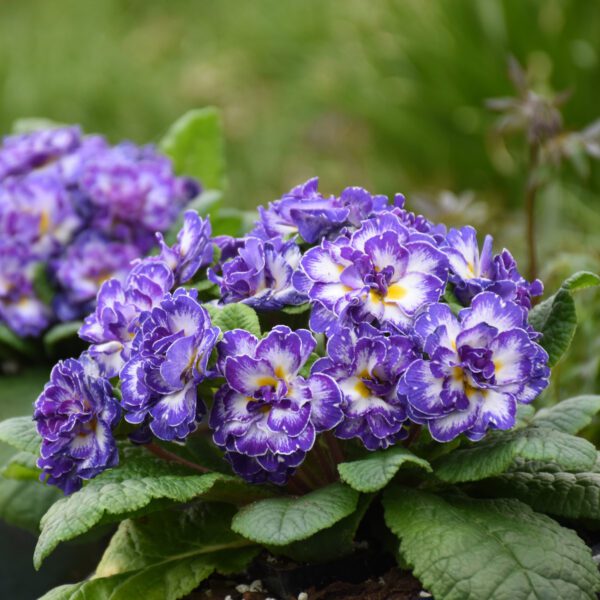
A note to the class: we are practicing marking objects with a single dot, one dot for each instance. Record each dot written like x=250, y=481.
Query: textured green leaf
x=23, y=503
x=581, y=280
x=117, y=493
x=281, y=521
x=556, y=320
x=495, y=454
x=195, y=145
x=20, y=433
x=234, y=316
x=328, y=544
x=164, y=557
x=571, y=495
x=376, y=470
x=569, y=416
x=21, y=465
x=465, y=549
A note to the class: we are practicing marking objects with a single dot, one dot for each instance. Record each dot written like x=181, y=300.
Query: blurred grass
x=387, y=95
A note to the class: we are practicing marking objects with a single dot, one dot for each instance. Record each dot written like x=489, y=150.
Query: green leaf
x=63, y=332
x=30, y=124
x=556, y=317
x=20, y=433
x=296, y=310
x=21, y=466
x=41, y=284
x=376, y=470
x=234, y=316
x=164, y=557
x=569, y=416
x=136, y=484
x=581, y=280
x=195, y=145
x=328, y=544
x=556, y=320
x=465, y=549
x=571, y=495
x=23, y=503
x=281, y=521
x=498, y=451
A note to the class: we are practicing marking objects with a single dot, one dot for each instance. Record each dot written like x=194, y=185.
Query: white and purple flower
x=192, y=250
x=472, y=271
x=169, y=358
x=76, y=414
x=266, y=416
x=260, y=274
x=112, y=326
x=383, y=273
x=305, y=211
x=479, y=366
x=367, y=365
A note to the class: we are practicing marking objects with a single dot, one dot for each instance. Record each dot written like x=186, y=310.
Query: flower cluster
x=379, y=351
x=74, y=212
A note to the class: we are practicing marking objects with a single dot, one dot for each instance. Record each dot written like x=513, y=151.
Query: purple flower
x=87, y=263
x=37, y=211
x=266, y=416
x=305, y=211
x=20, y=154
x=20, y=308
x=193, y=249
x=134, y=188
x=261, y=274
x=112, y=326
x=75, y=416
x=169, y=358
x=473, y=272
x=382, y=273
x=417, y=223
x=479, y=367
x=367, y=365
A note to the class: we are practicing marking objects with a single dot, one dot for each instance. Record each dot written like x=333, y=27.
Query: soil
x=394, y=584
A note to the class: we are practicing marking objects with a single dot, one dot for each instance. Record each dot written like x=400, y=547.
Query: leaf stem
x=334, y=447
x=531, y=190
x=171, y=457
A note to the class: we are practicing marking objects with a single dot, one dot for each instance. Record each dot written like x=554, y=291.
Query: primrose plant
x=274, y=391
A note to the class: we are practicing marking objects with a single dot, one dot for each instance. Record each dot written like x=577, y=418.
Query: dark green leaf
x=195, y=145
x=571, y=495
x=569, y=416
x=59, y=334
x=495, y=454
x=465, y=549
x=581, y=280
x=22, y=466
x=136, y=484
x=164, y=557
x=376, y=470
x=281, y=521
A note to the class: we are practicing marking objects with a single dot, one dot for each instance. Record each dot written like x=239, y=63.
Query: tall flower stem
x=171, y=457
x=531, y=189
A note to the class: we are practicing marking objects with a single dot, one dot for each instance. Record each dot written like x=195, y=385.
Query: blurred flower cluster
x=379, y=322
x=74, y=212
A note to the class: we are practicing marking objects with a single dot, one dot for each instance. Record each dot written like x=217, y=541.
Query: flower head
x=192, y=250
x=260, y=274
x=480, y=365
x=472, y=272
x=266, y=416
x=24, y=152
x=169, y=357
x=75, y=416
x=383, y=273
x=367, y=365
x=307, y=212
